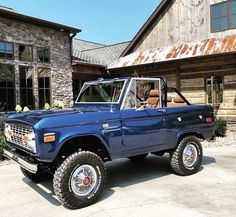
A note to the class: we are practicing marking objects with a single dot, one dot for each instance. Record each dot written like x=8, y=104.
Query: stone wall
x=60, y=61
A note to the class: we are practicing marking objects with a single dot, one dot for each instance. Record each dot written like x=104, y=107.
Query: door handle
x=161, y=110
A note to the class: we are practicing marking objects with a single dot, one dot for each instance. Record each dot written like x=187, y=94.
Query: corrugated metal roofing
x=206, y=47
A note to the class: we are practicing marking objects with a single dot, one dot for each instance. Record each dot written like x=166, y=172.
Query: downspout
x=71, y=46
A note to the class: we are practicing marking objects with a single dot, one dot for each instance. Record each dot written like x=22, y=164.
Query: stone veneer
x=60, y=59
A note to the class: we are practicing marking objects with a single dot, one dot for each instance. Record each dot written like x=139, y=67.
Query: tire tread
x=59, y=182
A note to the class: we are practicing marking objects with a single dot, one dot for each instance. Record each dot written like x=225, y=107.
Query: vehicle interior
x=153, y=93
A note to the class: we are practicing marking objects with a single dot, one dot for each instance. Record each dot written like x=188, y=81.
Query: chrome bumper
x=26, y=165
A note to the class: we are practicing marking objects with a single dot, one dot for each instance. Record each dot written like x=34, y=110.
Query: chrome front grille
x=18, y=135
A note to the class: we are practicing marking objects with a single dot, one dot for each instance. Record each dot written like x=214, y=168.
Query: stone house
x=193, y=44
x=41, y=61
x=35, y=61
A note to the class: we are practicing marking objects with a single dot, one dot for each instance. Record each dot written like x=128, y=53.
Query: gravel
x=229, y=140
x=4, y=162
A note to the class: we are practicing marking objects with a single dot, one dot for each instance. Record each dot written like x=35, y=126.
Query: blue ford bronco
x=111, y=119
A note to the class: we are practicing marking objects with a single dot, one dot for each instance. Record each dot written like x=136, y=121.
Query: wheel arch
x=186, y=134
x=91, y=143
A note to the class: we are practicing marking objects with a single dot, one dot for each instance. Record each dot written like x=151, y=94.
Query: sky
x=101, y=21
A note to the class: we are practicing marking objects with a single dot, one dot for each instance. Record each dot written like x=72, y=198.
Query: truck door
x=143, y=125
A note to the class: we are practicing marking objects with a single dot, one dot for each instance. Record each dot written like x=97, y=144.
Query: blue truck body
x=92, y=132
x=122, y=132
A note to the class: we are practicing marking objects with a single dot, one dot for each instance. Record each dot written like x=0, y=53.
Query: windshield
x=101, y=92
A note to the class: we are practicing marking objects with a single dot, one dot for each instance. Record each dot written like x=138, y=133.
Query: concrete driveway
x=144, y=189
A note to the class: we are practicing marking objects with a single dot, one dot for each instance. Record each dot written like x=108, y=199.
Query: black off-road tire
x=176, y=156
x=138, y=157
x=40, y=176
x=62, y=179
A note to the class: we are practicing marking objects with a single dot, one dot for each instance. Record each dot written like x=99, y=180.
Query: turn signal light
x=209, y=120
x=49, y=138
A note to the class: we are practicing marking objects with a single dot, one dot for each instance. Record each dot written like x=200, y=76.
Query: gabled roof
x=99, y=54
x=161, y=7
x=81, y=45
x=11, y=14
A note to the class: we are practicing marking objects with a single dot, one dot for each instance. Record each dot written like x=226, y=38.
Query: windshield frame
x=99, y=82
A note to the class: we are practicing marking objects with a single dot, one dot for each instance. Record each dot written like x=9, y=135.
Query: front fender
x=63, y=135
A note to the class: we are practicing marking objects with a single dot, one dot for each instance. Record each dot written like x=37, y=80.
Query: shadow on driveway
x=121, y=173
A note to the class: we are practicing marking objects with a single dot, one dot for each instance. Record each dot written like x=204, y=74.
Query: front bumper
x=31, y=167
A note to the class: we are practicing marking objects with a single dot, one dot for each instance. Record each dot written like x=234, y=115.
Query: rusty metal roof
x=212, y=46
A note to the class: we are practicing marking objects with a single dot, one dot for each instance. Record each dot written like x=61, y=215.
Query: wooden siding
x=227, y=109
x=194, y=90
x=182, y=21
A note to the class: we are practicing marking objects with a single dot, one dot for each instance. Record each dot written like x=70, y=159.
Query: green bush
x=2, y=142
x=220, y=127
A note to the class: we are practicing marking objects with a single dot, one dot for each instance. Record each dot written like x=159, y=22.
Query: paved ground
x=145, y=190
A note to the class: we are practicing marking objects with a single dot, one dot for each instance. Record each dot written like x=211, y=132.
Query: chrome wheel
x=190, y=155
x=83, y=180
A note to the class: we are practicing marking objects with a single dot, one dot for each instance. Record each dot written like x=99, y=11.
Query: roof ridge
x=97, y=48
x=78, y=39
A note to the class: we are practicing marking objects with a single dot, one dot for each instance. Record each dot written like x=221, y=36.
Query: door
x=143, y=126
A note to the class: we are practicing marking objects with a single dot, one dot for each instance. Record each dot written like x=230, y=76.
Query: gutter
x=71, y=46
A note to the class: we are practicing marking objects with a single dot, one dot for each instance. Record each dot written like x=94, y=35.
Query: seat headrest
x=169, y=99
x=153, y=101
x=154, y=93
x=178, y=99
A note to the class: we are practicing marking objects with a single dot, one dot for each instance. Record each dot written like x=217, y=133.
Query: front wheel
x=79, y=180
x=186, y=159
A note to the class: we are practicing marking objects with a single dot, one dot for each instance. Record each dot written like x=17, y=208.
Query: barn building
x=193, y=44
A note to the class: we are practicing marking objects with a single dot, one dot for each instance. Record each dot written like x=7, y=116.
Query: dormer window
x=223, y=16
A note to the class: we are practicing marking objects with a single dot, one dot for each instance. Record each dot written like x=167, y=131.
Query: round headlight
x=7, y=131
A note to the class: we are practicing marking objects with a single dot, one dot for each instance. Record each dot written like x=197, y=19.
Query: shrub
x=2, y=143
x=220, y=127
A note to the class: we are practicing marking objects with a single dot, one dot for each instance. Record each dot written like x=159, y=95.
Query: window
x=44, y=87
x=7, y=90
x=77, y=85
x=214, y=90
x=223, y=16
x=101, y=92
x=143, y=92
x=26, y=87
x=44, y=55
x=26, y=53
x=6, y=50
x=233, y=14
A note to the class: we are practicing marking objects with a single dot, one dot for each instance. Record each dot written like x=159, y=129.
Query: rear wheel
x=39, y=176
x=138, y=157
x=80, y=179
x=186, y=159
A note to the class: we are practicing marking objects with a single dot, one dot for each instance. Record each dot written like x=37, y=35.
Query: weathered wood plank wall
x=182, y=21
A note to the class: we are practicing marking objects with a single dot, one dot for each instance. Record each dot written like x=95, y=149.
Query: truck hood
x=61, y=118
